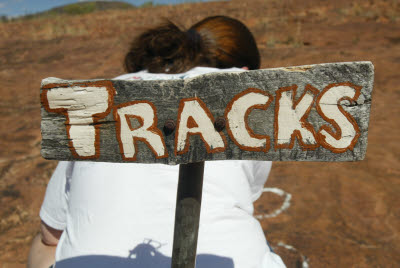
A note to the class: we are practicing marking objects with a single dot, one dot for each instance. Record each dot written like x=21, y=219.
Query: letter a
x=195, y=119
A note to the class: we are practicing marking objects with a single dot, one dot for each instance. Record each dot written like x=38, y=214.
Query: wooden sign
x=307, y=113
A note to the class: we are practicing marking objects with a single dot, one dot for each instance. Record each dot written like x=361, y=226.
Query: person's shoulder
x=196, y=71
x=131, y=76
x=201, y=69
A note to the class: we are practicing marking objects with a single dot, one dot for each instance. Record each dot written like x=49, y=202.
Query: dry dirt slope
x=341, y=214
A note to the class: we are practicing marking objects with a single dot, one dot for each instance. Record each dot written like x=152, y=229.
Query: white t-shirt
x=122, y=214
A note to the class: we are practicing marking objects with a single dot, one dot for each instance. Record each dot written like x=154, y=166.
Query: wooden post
x=187, y=215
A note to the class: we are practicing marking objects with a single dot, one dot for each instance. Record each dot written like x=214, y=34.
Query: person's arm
x=43, y=249
x=53, y=215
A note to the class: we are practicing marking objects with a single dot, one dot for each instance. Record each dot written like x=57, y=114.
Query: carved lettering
x=145, y=113
x=291, y=118
x=237, y=114
x=83, y=105
x=330, y=109
x=195, y=119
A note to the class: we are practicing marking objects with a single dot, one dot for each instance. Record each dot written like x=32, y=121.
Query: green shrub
x=79, y=8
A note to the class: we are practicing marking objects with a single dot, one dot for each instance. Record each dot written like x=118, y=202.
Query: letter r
x=147, y=132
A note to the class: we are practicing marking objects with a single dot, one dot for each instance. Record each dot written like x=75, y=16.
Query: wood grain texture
x=216, y=91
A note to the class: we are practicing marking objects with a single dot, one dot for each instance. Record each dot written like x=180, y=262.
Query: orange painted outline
x=246, y=116
x=153, y=128
x=338, y=135
x=191, y=123
x=96, y=117
x=210, y=116
x=304, y=123
x=138, y=118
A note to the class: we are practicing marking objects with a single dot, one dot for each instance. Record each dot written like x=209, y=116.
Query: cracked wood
x=305, y=113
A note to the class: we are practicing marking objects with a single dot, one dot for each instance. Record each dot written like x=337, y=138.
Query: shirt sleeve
x=54, y=207
x=261, y=171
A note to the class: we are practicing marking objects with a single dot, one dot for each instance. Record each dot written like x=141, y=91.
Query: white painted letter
x=237, y=113
x=194, y=118
x=145, y=113
x=328, y=106
x=291, y=116
x=82, y=106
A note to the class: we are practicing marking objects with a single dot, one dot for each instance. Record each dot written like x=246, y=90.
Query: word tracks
x=307, y=113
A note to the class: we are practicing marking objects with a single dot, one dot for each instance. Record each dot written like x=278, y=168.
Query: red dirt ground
x=341, y=214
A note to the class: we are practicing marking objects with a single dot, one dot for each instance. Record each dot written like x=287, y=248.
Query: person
x=122, y=214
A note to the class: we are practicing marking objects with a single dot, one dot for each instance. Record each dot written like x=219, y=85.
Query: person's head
x=217, y=41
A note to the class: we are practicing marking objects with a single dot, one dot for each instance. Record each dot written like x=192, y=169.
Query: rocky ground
x=339, y=214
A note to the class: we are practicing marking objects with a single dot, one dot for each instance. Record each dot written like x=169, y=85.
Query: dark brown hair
x=217, y=41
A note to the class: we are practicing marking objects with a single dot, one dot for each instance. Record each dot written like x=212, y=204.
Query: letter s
x=328, y=106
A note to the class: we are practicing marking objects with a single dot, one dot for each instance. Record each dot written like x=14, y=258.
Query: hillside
x=87, y=7
x=340, y=214
x=80, y=8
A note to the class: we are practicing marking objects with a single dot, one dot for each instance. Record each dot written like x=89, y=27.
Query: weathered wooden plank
x=326, y=121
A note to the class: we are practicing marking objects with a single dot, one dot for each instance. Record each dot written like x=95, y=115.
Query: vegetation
x=77, y=9
x=88, y=7
x=85, y=8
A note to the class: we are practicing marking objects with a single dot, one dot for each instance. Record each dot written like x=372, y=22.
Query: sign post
x=187, y=214
x=306, y=113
